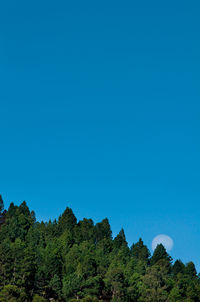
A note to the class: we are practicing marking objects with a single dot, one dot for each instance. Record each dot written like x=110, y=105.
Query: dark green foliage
x=116, y=284
x=103, y=230
x=18, y=220
x=178, y=267
x=86, y=299
x=156, y=284
x=11, y=293
x=1, y=205
x=120, y=240
x=67, y=221
x=84, y=231
x=65, y=261
x=37, y=298
x=160, y=256
x=139, y=251
x=190, y=270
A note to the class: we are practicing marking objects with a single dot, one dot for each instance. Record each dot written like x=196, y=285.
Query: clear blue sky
x=100, y=111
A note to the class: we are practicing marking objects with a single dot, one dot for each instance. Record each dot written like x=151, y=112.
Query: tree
x=68, y=261
x=72, y=286
x=116, y=284
x=1, y=204
x=154, y=285
x=161, y=256
x=102, y=253
x=175, y=295
x=139, y=251
x=67, y=221
x=6, y=262
x=18, y=220
x=178, y=267
x=120, y=240
x=37, y=298
x=134, y=286
x=10, y=293
x=103, y=230
x=86, y=299
x=84, y=231
x=55, y=287
x=190, y=269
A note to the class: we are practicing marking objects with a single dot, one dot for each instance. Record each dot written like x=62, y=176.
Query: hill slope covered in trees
x=66, y=260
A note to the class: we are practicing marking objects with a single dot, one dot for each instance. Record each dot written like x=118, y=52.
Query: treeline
x=66, y=260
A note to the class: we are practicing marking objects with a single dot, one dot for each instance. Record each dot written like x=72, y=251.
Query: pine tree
x=120, y=240
x=67, y=221
x=160, y=254
x=139, y=251
x=178, y=267
x=190, y=269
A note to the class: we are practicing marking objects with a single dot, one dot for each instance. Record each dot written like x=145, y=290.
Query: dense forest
x=67, y=260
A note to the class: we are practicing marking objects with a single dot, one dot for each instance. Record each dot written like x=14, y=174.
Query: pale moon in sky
x=166, y=241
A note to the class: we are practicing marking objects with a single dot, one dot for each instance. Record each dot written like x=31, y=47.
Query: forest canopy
x=70, y=260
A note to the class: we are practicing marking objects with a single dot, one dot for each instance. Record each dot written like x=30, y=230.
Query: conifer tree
x=178, y=267
x=67, y=221
x=139, y=251
x=160, y=254
x=103, y=230
x=190, y=269
x=120, y=240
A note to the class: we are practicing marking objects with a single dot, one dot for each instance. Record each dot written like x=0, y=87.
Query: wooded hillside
x=66, y=260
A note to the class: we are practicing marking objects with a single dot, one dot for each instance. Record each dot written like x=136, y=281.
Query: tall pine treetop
x=67, y=220
x=160, y=253
x=140, y=251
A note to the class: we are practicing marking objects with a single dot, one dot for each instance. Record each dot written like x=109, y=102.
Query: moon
x=165, y=240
